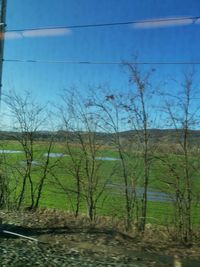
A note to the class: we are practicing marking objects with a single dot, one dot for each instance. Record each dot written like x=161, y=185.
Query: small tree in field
x=131, y=111
x=183, y=115
x=82, y=147
x=140, y=113
x=112, y=119
x=27, y=117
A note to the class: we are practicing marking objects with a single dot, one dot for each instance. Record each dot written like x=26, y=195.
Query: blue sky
x=45, y=80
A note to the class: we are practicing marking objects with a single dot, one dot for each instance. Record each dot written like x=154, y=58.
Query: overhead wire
x=193, y=18
x=100, y=62
x=78, y=62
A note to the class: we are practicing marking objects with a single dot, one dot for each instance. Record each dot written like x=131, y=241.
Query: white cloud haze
x=164, y=22
x=35, y=33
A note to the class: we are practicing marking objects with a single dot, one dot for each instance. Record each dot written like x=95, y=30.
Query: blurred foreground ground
x=66, y=241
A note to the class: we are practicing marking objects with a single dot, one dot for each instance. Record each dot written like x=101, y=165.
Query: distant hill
x=165, y=135
x=155, y=135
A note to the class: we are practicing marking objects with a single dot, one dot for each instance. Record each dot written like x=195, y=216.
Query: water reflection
x=8, y=151
x=152, y=195
x=106, y=158
x=54, y=155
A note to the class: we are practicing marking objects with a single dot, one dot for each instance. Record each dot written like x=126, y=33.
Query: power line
x=193, y=19
x=100, y=62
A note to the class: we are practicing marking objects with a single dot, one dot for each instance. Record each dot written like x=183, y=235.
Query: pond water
x=7, y=151
x=54, y=155
x=106, y=158
x=152, y=195
x=51, y=155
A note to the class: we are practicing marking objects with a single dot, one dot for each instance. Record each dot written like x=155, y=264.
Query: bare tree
x=141, y=119
x=112, y=119
x=27, y=117
x=182, y=116
x=45, y=170
x=81, y=127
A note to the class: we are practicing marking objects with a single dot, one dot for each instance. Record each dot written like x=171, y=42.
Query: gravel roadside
x=18, y=253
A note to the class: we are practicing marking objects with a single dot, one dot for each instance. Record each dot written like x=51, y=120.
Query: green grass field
x=111, y=202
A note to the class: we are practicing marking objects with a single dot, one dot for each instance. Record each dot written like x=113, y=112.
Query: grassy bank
x=60, y=185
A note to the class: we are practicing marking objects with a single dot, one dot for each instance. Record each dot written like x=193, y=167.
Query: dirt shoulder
x=70, y=241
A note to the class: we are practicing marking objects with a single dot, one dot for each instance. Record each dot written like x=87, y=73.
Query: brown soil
x=103, y=240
